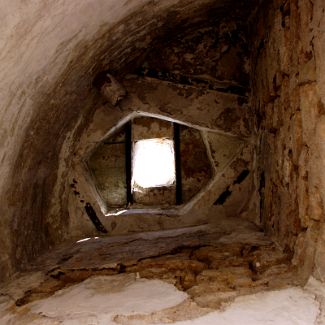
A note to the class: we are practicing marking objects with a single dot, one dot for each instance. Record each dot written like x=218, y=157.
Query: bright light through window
x=153, y=163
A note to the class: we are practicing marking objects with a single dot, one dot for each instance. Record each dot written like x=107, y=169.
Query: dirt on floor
x=212, y=265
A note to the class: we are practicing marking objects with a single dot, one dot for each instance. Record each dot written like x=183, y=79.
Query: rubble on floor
x=160, y=277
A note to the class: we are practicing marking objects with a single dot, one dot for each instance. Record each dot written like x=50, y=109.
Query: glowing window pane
x=153, y=163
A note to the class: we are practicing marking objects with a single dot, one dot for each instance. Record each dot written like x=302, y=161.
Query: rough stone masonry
x=247, y=77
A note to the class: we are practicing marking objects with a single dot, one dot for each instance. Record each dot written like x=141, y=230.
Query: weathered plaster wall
x=196, y=169
x=50, y=53
x=288, y=84
x=229, y=152
x=106, y=164
x=215, y=56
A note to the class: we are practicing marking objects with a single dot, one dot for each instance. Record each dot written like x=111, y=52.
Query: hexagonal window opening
x=149, y=163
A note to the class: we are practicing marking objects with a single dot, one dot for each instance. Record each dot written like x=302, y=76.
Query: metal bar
x=94, y=219
x=128, y=162
x=178, y=170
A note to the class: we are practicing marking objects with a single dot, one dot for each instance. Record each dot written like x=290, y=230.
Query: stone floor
x=222, y=274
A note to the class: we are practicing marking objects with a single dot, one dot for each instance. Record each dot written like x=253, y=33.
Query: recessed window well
x=149, y=163
x=153, y=163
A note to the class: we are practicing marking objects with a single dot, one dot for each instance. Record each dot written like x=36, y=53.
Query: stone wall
x=288, y=96
x=197, y=71
x=50, y=54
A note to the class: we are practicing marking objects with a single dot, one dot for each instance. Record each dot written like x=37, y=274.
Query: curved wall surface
x=51, y=114
x=50, y=53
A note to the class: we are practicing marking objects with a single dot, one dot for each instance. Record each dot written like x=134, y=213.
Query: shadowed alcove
x=161, y=146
